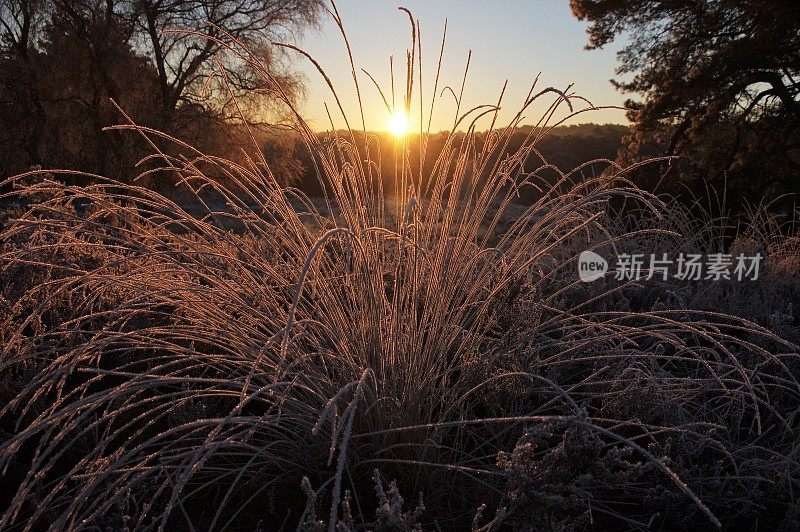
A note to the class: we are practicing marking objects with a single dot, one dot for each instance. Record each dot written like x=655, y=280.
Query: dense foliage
x=66, y=65
x=719, y=82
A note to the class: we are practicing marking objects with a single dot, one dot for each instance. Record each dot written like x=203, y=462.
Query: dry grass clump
x=169, y=372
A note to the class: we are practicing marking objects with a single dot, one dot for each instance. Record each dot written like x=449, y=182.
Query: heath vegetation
x=409, y=349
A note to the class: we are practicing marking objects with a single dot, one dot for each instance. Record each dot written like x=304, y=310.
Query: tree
x=63, y=61
x=182, y=58
x=85, y=50
x=719, y=81
x=20, y=100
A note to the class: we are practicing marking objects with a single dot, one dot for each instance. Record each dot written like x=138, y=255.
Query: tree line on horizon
x=562, y=149
x=715, y=83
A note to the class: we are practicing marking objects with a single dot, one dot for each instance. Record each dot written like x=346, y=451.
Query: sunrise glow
x=398, y=124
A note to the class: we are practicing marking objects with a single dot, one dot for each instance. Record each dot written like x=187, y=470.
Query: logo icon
x=591, y=266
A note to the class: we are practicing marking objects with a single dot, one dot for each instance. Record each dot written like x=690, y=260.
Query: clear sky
x=509, y=39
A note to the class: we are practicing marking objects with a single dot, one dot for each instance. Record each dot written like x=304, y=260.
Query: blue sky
x=509, y=39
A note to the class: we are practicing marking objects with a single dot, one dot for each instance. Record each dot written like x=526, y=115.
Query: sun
x=398, y=124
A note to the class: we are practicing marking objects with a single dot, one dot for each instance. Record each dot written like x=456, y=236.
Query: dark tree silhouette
x=63, y=61
x=19, y=93
x=85, y=49
x=719, y=81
